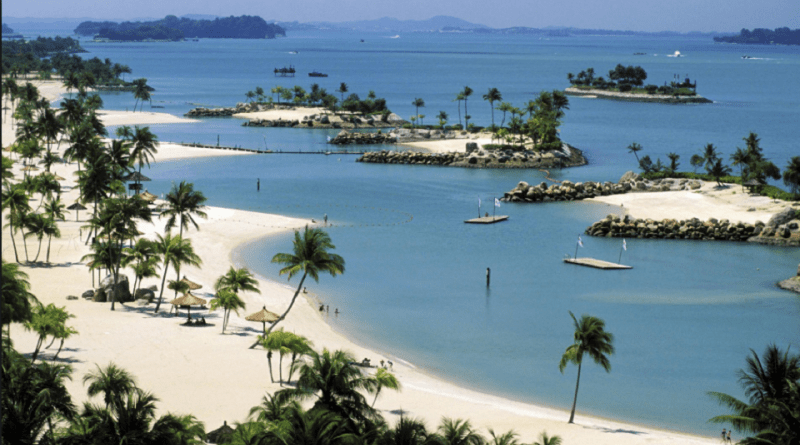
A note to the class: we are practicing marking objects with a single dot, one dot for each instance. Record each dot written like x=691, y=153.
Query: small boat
x=317, y=74
x=292, y=52
x=362, y=40
x=639, y=54
x=676, y=54
x=195, y=39
x=746, y=57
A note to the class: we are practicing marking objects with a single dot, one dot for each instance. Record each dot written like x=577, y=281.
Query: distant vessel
x=639, y=54
x=292, y=52
x=746, y=57
x=317, y=74
x=362, y=40
x=395, y=37
x=676, y=54
x=195, y=39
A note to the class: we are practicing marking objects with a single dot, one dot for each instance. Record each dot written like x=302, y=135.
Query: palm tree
x=507, y=438
x=299, y=346
x=259, y=94
x=771, y=384
x=492, y=96
x=310, y=257
x=458, y=432
x=144, y=147
x=141, y=92
x=709, y=155
x=418, y=102
x=228, y=301
x=459, y=98
x=112, y=381
x=48, y=125
x=504, y=107
x=791, y=174
x=143, y=256
x=342, y=89
x=442, y=116
x=740, y=158
x=467, y=92
x=336, y=383
x=46, y=321
x=407, y=432
x=384, y=379
x=250, y=95
x=673, y=162
x=237, y=280
x=16, y=201
x=635, y=148
x=176, y=251
x=272, y=409
x=277, y=341
x=548, y=440
x=183, y=201
x=590, y=338
x=17, y=298
x=718, y=170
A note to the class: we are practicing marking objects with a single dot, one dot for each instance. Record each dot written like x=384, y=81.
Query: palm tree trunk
x=575, y=400
x=291, y=367
x=296, y=293
x=59, y=349
x=269, y=360
x=377, y=392
x=49, y=240
x=280, y=369
x=163, y=280
x=39, y=250
x=36, y=351
x=25, y=245
x=13, y=242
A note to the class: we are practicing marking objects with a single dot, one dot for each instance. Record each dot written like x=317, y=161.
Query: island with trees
x=627, y=84
x=760, y=36
x=174, y=28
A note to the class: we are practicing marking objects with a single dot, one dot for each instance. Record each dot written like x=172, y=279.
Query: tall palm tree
x=342, y=89
x=635, y=148
x=459, y=98
x=143, y=258
x=673, y=161
x=791, y=174
x=228, y=301
x=112, y=381
x=48, y=125
x=141, y=92
x=504, y=107
x=717, y=170
x=175, y=251
x=299, y=346
x=418, y=102
x=772, y=386
x=237, y=280
x=740, y=158
x=17, y=299
x=467, y=92
x=311, y=257
x=384, y=379
x=183, y=201
x=16, y=201
x=458, y=432
x=144, y=147
x=709, y=156
x=278, y=341
x=442, y=116
x=590, y=338
x=492, y=95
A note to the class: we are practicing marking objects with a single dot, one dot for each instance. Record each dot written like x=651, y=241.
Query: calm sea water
x=684, y=318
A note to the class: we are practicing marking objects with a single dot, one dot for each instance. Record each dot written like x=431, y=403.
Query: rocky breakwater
x=782, y=229
x=227, y=111
x=346, y=121
x=476, y=157
x=631, y=97
x=792, y=284
x=568, y=191
x=357, y=138
x=694, y=229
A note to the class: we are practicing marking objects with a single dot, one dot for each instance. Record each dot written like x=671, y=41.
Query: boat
x=292, y=52
x=317, y=74
x=746, y=57
x=639, y=54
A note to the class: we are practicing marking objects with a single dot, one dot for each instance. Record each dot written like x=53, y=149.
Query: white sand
x=727, y=202
x=216, y=377
x=116, y=117
x=448, y=145
x=295, y=114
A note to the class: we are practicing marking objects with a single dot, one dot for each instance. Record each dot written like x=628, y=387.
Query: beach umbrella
x=77, y=207
x=58, y=178
x=147, y=196
x=192, y=284
x=188, y=300
x=29, y=168
x=263, y=316
x=222, y=434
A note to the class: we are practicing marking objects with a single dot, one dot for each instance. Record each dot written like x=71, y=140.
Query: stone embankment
x=630, y=97
x=778, y=230
x=353, y=138
x=476, y=157
x=568, y=191
x=240, y=107
x=329, y=121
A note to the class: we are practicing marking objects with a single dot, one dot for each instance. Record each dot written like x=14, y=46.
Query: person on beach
x=336, y=311
x=729, y=436
x=724, y=436
x=325, y=218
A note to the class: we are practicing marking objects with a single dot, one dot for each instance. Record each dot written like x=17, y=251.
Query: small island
x=760, y=36
x=172, y=28
x=627, y=84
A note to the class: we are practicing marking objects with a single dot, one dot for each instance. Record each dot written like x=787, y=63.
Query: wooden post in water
x=488, y=276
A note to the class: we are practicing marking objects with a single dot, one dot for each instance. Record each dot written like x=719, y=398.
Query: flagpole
x=479, y=207
x=494, y=208
x=576, y=248
x=619, y=261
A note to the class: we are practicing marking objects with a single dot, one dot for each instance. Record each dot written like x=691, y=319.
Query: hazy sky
x=637, y=15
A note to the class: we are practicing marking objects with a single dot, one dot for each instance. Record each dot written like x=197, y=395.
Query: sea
x=684, y=318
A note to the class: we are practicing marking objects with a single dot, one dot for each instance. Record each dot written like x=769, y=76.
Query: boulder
x=88, y=295
x=628, y=177
x=472, y=147
x=145, y=294
x=782, y=218
x=122, y=291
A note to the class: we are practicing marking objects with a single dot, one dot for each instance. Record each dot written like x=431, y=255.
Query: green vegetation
x=760, y=36
x=140, y=33
x=242, y=27
x=22, y=57
x=771, y=413
x=630, y=80
x=298, y=96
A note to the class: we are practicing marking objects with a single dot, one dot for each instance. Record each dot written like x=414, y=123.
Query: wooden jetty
x=597, y=264
x=487, y=219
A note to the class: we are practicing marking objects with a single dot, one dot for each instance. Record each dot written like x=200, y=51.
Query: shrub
x=624, y=87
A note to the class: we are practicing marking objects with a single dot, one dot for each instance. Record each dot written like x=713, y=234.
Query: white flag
x=580, y=242
x=496, y=202
x=479, y=202
x=624, y=245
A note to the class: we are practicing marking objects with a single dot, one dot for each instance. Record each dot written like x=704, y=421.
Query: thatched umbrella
x=192, y=284
x=188, y=300
x=264, y=316
x=58, y=178
x=222, y=434
x=29, y=168
x=147, y=196
x=136, y=177
x=77, y=207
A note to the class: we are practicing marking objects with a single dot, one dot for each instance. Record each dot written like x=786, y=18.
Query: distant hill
x=7, y=29
x=388, y=24
x=759, y=36
x=243, y=27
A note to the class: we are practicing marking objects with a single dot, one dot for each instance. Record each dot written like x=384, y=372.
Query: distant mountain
x=7, y=29
x=388, y=24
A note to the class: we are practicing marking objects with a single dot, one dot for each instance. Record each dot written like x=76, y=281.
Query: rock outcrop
x=240, y=107
x=783, y=229
x=568, y=191
x=121, y=291
x=630, y=97
x=691, y=229
x=475, y=157
x=792, y=284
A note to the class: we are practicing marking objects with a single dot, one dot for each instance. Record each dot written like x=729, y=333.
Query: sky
x=635, y=15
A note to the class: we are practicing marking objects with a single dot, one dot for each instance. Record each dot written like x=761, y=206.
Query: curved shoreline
x=628, y=97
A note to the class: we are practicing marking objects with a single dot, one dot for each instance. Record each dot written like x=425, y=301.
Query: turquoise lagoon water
x=684, y=318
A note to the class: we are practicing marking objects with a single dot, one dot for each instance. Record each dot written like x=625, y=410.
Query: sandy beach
x=199, y=370
x=295, y=114
x=710, y=201
x=448, y=145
